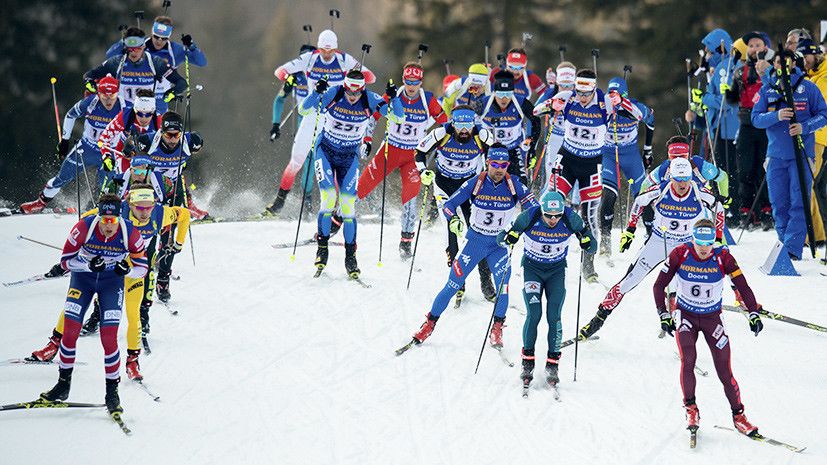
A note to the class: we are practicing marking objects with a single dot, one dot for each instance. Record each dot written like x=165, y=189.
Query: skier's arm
x=625, y=108
x=295, y=65
x=278, y=107
x=111, y=133
x=436, y=111
x=115, y=50
x=536, y=84
x=311, y=102
x=546, y=106
x=426, y=144
x=179, y=216
x=667, y=272
x=526, y=197
x=533, y=122
x=737, y=276
x=397, y=114
x=818, y=110
x=458, y=198
x=649, y=121
x=164, y=70
x=194, y=54
x=137, y=255
x=641, y=201
x=523, y=221
x=349, y=62
x=71, y=260
x=110, y=66
x=73, y=114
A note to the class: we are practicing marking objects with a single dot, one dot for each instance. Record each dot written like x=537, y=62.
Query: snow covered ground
x=266, y=365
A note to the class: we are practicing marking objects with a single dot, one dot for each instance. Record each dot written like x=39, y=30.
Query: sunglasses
x=140, y=171
x=682, y=178
x=553, y=215
x=353, y=93
x=516, y=67
x=159, y=37
x=172, y=135
x=142, y=114
x=584, y=93
x=499, y=165
x=412, y=82
x=503, y=93
x=143, y=209
x=109, y=220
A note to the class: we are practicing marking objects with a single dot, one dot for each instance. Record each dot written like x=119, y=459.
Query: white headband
x=584, y=84
x=565, y=76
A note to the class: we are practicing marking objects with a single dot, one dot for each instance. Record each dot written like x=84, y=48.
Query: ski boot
x=528, y=367
x=742, y=424
x=335, y=224
x=405, y=245
x=277, y=204
x=594, y=325
x=133, y=368
x=426, y=329
x=350, y=261
x=321, y=253
x=195, y=212
x=60, y=391
x=552, y=363
x=460, y=296
x=588, y=268
x=35, y=206
x=486, y=283
x=91, y=325
x=746, y=219
x=113, y=401
x=693, y=416
x=144, y=312
x=495, y=337
x=47, y=354
x=162, y=288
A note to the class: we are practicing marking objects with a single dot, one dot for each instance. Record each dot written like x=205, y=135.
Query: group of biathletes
x=477, y=147
x=123, y=250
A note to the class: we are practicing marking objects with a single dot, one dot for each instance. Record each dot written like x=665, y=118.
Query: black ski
x=33, y=279
x=693, y=436
x=143, y=387
x=569, y=342
x=287, y=245
x=40, y=403
x=355, y=278
x=318, y=272
x=145, y=344
x=777, y=317
x=116, y=417
x=761, y=438
x=405, y=348
x=31, y=361
x=526, y=384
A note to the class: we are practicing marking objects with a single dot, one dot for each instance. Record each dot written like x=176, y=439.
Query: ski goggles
x=144, y=114
x=504, y=93
x=703, y=235
x=412, y=82
x=552, y=216
x=109, y=220
x=515, y=67
x=140, y=171
x=174, y=135
x=584, y=93
x=459, y=125
x=500, y=165
x=143, y=209
x=682, y=178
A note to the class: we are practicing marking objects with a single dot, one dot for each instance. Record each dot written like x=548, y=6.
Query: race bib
x=489, y=222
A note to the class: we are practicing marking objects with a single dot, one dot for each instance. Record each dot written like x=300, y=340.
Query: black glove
x=63, y=148
x=144, y=142
x=196, y=141
x=275, y=132
x=511, y=237
x=647, y=157
x=96, y=265
x=667, y=324
x=171, y=249
x=186, y=39
x=391, y=89
x=755, y=323
x=122, y=268
x=90, y=86
x=129, y=149
x=585, y=242
x=625, y=113
x=289, y=84
x=56, y=271
x=321, y=86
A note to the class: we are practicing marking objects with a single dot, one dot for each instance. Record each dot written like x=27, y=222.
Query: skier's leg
x=134, y=294
x=327, y=190
x=686, y=336
x=474, y=250
x=532, y=295
x=110, y=295
x=555, y=290
x=81, y=291
x=348, y=183
x=68, y=168
x=718, y=342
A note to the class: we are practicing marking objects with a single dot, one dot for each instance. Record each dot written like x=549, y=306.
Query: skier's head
x=553, y=205
x=756, y=42
x=703, y=237
x=714, y=51
x=618, y=84
x=141, y=201
x=108, y=90
x=109, y=211
x=503, y=88
x=144, y=106
x=134, y=43
x=680, y=174
x=412, y=75
x=585, y=84
x=498, y=161
x=551, y=77
x=566, y=75
x=161, y=31
x=327, y=44
x=477, y=78
x=796, y=35
x=463, y=119
x=354, y=85
x=676, y=147
x=172, y=129
x=516, y=62
x=139, y=169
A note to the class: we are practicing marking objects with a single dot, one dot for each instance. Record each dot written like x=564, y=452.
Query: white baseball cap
x=680, y=169
x=328, y=40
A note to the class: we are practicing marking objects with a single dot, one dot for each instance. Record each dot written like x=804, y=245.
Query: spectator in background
x=752, y=142
x=817, y=73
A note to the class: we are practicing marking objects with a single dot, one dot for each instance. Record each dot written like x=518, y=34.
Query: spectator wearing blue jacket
x=772, y=113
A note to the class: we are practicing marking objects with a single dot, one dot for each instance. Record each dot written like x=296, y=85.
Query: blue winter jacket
x=810, y=111
x=713, y=98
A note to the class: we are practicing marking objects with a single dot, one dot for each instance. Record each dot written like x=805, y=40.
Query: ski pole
x=307, y=174
x=577, y=322
x=365, y=51
x=418, y=229
x=496, y=300
x=189, y=119
x=24, y=238
x=550, y=125
x=595, y=55
x=628, y=200
x=189, y=230
x=309, y=30
x=562, y=50
x=166, y=5
x=665, y=256
x=385, y=178
x=53, y=80
x=487, y=46
x=86, y=176
x=286, y=118
x=139, y=15
x=421, y=50
x=334, y=14
x=723, y=101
